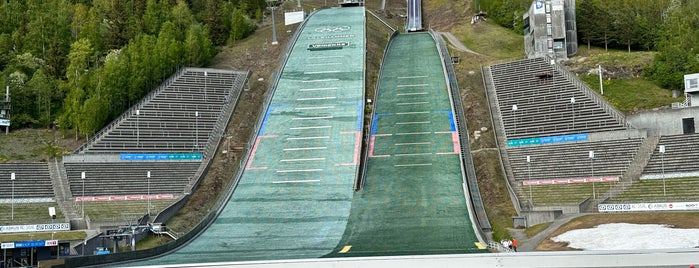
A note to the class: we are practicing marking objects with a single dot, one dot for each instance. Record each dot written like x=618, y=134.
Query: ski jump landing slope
x=294, y=198
x=413, y=201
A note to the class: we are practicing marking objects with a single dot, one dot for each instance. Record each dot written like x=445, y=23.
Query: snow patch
x=621, y=236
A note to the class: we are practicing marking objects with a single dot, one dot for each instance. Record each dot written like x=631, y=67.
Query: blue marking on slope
x=360, y=113
x=452, y=123
x=264, y=119
x=374, y=122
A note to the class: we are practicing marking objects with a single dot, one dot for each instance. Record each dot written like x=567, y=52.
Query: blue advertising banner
x=548, y=140
x=160, y=157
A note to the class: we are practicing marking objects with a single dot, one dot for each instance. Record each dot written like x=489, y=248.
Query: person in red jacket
x=514, y=244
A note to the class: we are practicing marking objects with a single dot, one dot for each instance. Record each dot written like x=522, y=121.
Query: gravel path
x=457, y=44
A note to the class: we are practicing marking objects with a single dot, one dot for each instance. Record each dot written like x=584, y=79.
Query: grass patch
x=494, y=193
x=632, y=94
x=535, y=229
x=152, y=241
x=28, y=213
x=676, y=189
x=614, y=58
x=61, y=235
x=36, y=145
x=490, y=39
x=123, y=211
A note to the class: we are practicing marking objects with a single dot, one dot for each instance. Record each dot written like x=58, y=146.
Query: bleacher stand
x=679, y=159
x=185, y=116
x=544, y=112
x=571, y=160
x=129, y=178
x=32, y=180
x=542, y=95
x=178, y=117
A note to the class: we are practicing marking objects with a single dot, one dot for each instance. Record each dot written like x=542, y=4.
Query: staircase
x=64, y=197
x=633, y=172
x=645, y=151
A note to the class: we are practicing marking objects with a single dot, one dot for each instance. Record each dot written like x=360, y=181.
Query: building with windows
x=691, y=89
x=549, y=29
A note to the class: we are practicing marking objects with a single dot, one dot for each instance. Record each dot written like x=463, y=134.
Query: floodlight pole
x=205, y=76
x=601, y=87
x=662, y=167
x=592, y=168
x=196, y=130
x=138, y=132
x=12, y=178
x=514, y=115
x=572, y=108
x=271, y=5
x=148, y=193
x=529, y=171
x=82, y=200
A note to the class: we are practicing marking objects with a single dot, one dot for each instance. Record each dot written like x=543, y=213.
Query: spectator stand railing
x=227, y=110
x=585, y=89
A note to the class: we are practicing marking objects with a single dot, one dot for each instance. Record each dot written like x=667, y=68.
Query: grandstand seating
x=32, y=180
x=543, y=98
x=177, y=118
x=571, y=160
x=129, y=177
x=681, y=154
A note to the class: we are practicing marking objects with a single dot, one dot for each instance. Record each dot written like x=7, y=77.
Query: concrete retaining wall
x=663, y=122
x=617, y=135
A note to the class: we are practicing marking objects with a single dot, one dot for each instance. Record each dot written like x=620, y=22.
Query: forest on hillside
x=80, y=63
x=669, y=27
x=77, y=64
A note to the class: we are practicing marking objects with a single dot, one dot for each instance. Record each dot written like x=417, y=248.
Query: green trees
x=81, y=63
x=670, y=27
x=678, y=46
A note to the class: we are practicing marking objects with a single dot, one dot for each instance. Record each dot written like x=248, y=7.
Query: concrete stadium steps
x=180, y=116
x=129, y=178
x=29, y=213
x=571, y=160
x=676, y=190
x=543, y=98
x=681, y=154
x=31, y=180
x=122, y=211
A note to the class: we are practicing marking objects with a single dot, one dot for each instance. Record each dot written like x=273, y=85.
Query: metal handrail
x=585, y=89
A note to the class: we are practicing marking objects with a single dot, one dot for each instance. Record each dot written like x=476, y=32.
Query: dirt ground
x=674, y=219
x=36, y=145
